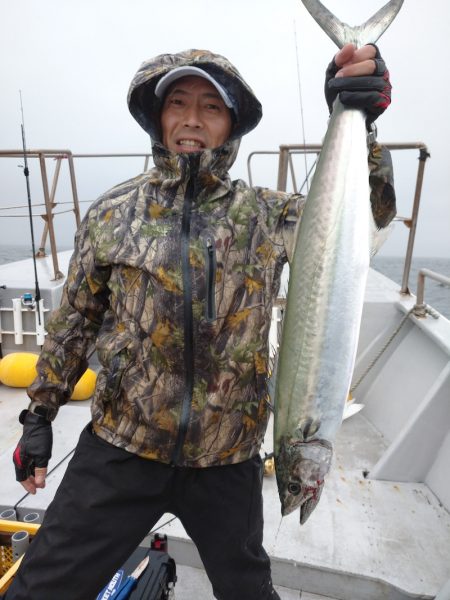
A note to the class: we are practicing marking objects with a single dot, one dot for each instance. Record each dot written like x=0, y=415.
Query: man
x=173, y=278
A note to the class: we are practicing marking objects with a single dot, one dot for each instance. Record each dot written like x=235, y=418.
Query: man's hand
x=33, y=451
x=361, y=79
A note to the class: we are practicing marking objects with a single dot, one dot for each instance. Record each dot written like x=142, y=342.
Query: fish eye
x=294, y=488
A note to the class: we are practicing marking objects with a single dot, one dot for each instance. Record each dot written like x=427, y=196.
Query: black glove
x=35, y=446
x=372, y=93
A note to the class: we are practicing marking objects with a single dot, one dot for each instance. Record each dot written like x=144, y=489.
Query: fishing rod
x=307, y=172
x=26, y=172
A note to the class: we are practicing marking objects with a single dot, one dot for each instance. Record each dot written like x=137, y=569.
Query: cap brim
x=165, y=81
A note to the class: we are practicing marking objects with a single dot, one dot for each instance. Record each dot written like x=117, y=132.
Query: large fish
x=326, y=291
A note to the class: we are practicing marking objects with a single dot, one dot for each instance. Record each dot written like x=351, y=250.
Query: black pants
x=110, y=499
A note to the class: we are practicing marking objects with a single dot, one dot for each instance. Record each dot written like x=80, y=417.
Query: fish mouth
x=301, y=468
x=310, y=503
x=305, y=497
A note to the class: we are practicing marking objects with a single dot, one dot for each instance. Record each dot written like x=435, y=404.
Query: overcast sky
x=74, y=61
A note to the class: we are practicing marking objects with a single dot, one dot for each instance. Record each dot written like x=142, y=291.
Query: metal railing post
x=73, y=183
x=291, y=166
x=424, y=154
x=283, y=169
x=41, y=250
x=420, y=308
x=49, y=217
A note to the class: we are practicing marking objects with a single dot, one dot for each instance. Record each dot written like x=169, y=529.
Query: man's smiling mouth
x=190, y=143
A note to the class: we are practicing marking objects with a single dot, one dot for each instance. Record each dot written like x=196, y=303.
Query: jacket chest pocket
x=210, y=277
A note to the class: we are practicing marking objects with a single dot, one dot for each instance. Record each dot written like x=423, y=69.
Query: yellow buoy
x=18, y=369
x=85, y=386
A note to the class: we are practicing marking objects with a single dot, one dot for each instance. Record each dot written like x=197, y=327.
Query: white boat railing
x=420, y=309
x=49, y=191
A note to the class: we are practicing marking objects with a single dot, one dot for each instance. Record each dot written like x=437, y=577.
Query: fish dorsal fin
x=378, y=237
x=341, y=33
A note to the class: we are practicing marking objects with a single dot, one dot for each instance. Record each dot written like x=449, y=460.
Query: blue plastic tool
x=130, y=582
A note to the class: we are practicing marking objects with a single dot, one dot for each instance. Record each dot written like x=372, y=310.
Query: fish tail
x=341, y=33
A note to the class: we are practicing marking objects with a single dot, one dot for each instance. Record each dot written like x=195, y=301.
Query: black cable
x=161, y=526
x=48, y=473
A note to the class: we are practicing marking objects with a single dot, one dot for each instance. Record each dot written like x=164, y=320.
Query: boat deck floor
x=366, y=539
x=193, y=583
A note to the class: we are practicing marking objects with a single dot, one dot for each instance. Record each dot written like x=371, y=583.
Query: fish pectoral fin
x=378, y=237
x=307, y=429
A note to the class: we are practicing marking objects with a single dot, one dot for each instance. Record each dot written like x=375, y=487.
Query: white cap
x=179, y=72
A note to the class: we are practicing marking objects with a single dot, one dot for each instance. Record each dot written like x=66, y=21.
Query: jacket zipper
x=210, y=279
x=188, y=353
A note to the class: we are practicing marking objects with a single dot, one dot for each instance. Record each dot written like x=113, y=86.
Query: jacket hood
x=145, y=106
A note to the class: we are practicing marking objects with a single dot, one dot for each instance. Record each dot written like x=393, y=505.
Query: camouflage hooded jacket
x=173, y=278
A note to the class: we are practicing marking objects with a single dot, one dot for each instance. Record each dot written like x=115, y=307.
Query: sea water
x=436, y=294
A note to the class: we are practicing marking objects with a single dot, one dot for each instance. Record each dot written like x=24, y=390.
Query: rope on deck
x=382, y=351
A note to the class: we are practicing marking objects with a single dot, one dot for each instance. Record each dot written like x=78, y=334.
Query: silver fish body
x=325, y=299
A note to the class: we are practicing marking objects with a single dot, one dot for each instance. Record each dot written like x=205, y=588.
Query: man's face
x=194, y=116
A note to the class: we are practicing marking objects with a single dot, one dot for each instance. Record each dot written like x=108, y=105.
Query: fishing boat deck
x=366, y=539
x=193, y=583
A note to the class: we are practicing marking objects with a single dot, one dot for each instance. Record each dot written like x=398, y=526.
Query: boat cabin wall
x=406, y=393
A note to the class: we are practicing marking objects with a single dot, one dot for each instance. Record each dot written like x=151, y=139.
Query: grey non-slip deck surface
x=366, y=539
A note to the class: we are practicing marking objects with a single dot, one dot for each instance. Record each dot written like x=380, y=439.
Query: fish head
x=301, y=468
